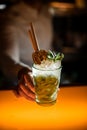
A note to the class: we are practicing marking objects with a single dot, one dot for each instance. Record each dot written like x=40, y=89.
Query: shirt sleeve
x=9, y=52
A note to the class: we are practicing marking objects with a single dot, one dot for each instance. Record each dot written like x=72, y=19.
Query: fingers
x=23, y=71
x=26, y=93
x=26, y=87
x=29, y=82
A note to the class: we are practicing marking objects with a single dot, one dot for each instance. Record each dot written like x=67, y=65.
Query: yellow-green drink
x=46, y=83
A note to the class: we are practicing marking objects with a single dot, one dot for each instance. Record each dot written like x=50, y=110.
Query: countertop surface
x=69, y=112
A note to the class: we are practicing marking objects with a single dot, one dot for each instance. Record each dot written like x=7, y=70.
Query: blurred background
x=70, y=37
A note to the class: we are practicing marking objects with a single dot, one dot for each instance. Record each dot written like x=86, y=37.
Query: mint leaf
x=53, y=56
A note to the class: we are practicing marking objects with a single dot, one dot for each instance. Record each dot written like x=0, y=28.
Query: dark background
x=72, y=23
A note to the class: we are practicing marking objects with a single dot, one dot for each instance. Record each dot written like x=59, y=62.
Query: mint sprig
x=53, y=56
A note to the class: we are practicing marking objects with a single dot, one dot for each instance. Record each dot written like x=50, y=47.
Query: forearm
x=10, y=68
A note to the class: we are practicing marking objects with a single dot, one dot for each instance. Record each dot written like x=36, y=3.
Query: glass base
x=46, y=103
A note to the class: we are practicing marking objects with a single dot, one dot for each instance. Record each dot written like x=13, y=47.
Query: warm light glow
x=69, y=113
x=80, y=3
x=61, y=5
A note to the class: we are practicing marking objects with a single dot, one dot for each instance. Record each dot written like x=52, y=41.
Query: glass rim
x=47, y=69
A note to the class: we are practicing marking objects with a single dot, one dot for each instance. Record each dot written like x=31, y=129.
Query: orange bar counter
x=69, y=112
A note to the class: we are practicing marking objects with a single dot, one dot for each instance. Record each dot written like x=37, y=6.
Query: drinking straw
x=33, y=38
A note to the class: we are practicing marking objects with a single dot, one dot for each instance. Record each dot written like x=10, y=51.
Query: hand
x=25, y=85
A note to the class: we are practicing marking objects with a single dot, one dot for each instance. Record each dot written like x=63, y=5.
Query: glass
x=46, y=85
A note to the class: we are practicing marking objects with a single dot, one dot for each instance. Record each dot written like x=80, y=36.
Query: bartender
x=15, y=45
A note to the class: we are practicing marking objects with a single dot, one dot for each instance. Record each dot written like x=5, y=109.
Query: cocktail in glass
x=46, y=83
